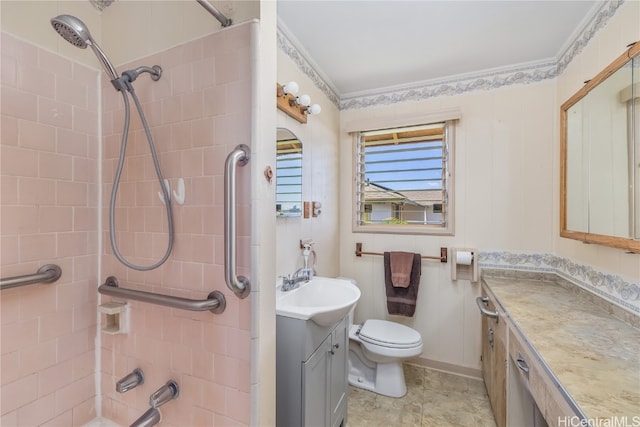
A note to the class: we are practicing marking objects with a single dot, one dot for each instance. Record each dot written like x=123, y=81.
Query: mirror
x=288, y=174
x=600, y=157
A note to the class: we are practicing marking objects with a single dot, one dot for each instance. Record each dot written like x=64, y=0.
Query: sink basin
x=323, y=300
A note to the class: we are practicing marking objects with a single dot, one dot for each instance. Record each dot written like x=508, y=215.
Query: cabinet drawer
x=549, y=397
x=524, y=359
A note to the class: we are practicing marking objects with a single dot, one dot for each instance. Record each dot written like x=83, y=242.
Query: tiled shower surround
x=198, y=111
x=49, y=162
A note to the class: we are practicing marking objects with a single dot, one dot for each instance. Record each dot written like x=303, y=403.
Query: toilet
x=376, y=351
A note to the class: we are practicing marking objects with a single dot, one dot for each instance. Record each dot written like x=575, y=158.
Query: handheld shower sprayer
x=76, y=32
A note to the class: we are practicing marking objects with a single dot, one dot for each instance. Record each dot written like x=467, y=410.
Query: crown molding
x=598, y=20
x=455, y=85
x=289, y=45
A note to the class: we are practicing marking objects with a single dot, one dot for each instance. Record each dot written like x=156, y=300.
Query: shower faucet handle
x=164, y=394
x=131, y=380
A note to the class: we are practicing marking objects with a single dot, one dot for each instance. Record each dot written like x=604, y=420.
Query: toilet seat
x=389, y=334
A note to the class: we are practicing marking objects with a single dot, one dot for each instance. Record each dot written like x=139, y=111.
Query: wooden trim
x=627, y=244
x=286, y=103
x=617, y=63
x=563, y=170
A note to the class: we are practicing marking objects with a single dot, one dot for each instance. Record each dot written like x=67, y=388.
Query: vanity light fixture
x=291, y=87
x=298, y=107
x=313, y=109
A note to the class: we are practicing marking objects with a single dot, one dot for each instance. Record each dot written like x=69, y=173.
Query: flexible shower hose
x=116, y=184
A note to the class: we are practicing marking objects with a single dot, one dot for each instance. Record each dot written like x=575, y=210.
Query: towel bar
x=441, y=258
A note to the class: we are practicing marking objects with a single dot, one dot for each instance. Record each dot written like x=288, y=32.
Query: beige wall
x=154, y=26
x=503, y=186
x=30, y=20
x=263, y=375
x=609, y=43
x=320, y=180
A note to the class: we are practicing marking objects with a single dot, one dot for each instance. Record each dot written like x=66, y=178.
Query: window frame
x=450, y=120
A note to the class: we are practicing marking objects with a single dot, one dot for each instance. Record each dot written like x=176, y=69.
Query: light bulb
x=314, y=109
x=303, y=100
x=291, y=87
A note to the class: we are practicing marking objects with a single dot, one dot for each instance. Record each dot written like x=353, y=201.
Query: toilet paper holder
x=464, y=264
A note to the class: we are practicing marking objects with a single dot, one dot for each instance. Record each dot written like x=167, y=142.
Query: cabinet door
x=315, y=386
x=487, y=352
x=339, y=366
x=499, y=379
x=494, y=359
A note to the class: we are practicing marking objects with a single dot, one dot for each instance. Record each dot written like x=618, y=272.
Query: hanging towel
x=402, y=301
x=400, y=264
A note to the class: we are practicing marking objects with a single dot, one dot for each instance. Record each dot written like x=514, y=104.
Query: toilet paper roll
x=464, y=258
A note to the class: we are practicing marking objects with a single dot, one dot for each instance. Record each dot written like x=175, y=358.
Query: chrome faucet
x=303, y=274
x=293, y=281
x=164, y=394
x=148, y=419
x=131, y=380
x=161, y=396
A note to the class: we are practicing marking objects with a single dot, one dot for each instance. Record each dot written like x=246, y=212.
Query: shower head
x=72, y=30
x=76, y=32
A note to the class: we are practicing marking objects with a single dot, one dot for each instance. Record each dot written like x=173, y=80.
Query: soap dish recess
x=116, y=317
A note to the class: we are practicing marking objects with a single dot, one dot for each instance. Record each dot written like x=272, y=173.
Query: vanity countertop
x=594, y=355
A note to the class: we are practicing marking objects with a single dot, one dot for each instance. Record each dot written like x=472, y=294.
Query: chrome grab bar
x=215, y=301
x=48, y=273
x=481, y=301
x=238, y=284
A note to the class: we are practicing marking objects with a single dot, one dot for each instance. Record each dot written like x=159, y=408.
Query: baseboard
x=446, y=367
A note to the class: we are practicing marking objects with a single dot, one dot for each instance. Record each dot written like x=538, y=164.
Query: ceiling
x=367, y=46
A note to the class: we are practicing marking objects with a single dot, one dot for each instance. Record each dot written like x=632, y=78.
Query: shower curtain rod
x=215, y=12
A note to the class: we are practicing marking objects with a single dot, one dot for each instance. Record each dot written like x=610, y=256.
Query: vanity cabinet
x=311, y=373
x=494, y=357
x=539, y=357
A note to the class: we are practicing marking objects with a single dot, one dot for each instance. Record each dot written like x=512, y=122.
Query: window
x=403, y=179
x=288, y=176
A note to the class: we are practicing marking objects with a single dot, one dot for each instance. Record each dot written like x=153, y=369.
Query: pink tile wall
x=48, y=214
x=199, y=111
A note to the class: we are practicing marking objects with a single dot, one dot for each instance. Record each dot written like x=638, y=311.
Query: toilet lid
x=389, y=334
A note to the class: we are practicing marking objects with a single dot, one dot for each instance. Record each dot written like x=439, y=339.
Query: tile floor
x=434, y=399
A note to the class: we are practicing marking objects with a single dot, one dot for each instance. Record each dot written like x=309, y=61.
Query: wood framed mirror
x=600, y=157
